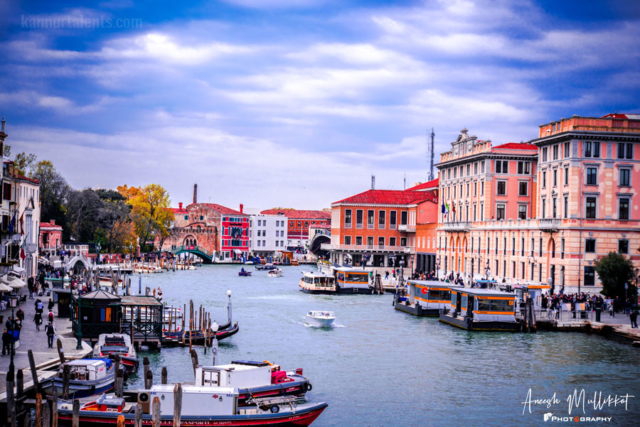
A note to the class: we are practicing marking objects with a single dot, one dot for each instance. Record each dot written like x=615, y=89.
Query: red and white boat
x=201, y=406
x=111, y=344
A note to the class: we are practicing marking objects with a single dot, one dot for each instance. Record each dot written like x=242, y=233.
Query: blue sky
x=297, y=102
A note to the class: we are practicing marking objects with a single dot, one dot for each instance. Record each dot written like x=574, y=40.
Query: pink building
x=50, y=236
x=541, y=212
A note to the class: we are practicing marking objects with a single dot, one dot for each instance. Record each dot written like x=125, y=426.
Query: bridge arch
x=71, y=264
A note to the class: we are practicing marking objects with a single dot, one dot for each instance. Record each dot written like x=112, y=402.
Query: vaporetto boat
x=426, y=298
x=482, y=310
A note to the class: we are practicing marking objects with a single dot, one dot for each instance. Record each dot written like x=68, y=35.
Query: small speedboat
x=267, y=267
x=87, y=377
x=244, y=273
x=322, y=319
x=274, y=273
x=111, y=344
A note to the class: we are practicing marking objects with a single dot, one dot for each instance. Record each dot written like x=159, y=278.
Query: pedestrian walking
x=39, y=306
x=50, y=317
x=7, y=339
x=634, y=318
x=38, y=320
x=20, y=314
x=51, y=304
x=50, y=333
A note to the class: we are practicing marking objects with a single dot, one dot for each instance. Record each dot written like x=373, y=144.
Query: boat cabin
x=317, y=283
x=237, y=374
x=352, y=278
x=196, y=401
x=484, y=304
x=431, y=293
x=87, y=369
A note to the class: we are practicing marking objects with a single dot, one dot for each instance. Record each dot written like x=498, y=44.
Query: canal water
x=380, y=367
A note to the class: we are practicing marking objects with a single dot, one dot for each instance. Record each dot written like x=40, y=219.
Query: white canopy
x=5, y=288
x=18, y=269
x=3, y=279
x=238, y=251
x=17, y=283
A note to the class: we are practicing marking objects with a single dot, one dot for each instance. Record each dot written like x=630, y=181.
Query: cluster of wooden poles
x=117, y=278
x=199, y=322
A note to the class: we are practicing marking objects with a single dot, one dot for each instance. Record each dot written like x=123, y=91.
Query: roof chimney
x=241, y=208
x=195, y=193
x=53, y=222
x=180, y=205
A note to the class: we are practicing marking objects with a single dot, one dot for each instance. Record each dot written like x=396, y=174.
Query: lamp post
x=487, y=270
x=13, y=301
x=98, y=247
x=79, y=334
x=438, y=268
x=401, y=270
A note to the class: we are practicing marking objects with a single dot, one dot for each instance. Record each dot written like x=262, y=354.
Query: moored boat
x=351, y=280
x=425, y=298
x=87, y=377
x=198, y=337
x=317, y=283
x=323, y=319
x=201, y=406
x=482, y=310
x=111, y=344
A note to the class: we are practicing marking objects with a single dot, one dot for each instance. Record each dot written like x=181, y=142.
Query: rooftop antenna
x=405, y=180
x=431, y=154
x=373, y=182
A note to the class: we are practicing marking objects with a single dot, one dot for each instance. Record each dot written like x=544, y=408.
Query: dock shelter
x=94, y=313
x=141, y=317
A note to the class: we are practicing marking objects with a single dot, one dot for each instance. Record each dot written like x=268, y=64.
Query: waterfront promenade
x=36, y=341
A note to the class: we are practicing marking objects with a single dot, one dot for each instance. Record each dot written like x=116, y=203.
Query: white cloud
x=277, y=4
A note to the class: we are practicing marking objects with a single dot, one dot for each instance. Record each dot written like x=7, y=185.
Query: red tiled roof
x=297, y=214
x=426, y=185
x=222, y=209
x=320, y=226
x=49, y=225
x=179, y=211
x=515, y=146
x=622, y=116
x=388, y=197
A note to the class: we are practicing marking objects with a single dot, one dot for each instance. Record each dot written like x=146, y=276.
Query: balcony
x=456, y=226
x=366, y=248
x=549, y=225
x=407, y=228
x=359, y=225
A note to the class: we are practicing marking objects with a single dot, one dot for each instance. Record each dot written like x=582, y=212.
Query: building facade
x=215, y=228
x=298, y=223
x=541, y=212
x=50, y=237
x=268, y=234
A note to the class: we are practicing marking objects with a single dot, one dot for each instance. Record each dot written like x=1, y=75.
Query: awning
x=3, y=279
x=5, y=288
x=238, y=251
x=18, y=269
x=17, y=283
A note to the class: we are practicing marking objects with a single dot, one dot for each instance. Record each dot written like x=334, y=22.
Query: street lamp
x=98, y=247
x=401, y=270
x=13, y=302
x=487, y=270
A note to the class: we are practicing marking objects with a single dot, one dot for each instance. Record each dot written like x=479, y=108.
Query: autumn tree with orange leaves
x=151, y=212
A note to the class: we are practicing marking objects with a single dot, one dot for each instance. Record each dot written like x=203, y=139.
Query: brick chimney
x=195, y=193
x=53, y=222
x=180, y=205
x=241, y=208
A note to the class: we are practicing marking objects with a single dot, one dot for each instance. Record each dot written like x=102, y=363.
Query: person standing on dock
x=634, y=318
x=38, y=320
x=50, y=333
x=7, y=339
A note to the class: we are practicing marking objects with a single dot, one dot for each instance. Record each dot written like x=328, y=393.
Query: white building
x=20, y=213
x=268, y=234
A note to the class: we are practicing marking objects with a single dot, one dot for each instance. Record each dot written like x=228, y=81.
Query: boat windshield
x=357, y=277
x=496, y=305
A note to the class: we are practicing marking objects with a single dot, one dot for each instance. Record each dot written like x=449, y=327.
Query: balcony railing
x=407, y=228
x=347, y=225
x=392, y=226
x=358, y=225
x=549, y=224
x=456, y=226
x=370, y=226
x=365, y=248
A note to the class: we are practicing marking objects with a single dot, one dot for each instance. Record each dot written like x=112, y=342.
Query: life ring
x=309, y=387
x=275, y=409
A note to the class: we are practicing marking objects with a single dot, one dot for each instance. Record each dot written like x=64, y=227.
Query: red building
x=50, y=236
x=299, y=222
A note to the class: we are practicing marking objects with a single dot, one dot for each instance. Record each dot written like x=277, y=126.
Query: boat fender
x=309, y=387
x=275, y=409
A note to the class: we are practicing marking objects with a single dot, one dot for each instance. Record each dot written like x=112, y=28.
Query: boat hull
x=463, y=323
x=321, y=323
x=79, y=389
x=417, y=309
x=341, y=290
x=302, y=417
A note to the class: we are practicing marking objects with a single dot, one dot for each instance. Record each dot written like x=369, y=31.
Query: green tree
x=53, y=193
x=150, y=211
x=614, y=271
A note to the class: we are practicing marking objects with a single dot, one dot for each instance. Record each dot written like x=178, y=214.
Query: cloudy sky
x=298, y=102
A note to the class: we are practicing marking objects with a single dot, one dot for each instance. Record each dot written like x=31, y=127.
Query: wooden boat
x=111, y=344
x=198, y=337
x=482, y=310
x=201, y=406
x=88, y=377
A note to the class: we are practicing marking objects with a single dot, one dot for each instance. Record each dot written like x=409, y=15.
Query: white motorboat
x=275, y=273
x=320, y=318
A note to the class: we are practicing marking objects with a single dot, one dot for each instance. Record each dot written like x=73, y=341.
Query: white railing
x=364, y=248
x=456, y=226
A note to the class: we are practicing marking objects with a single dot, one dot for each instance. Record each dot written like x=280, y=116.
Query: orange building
x=378, y=228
